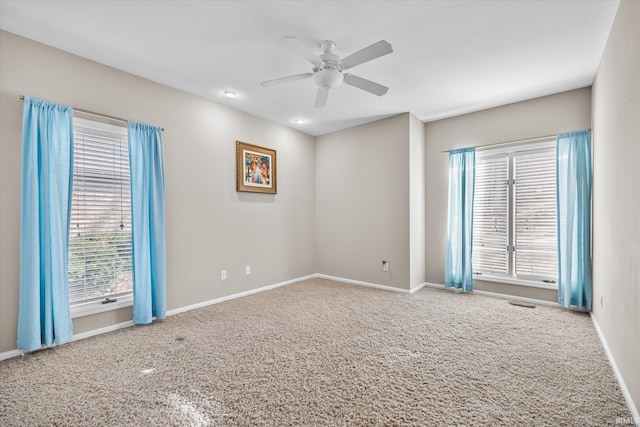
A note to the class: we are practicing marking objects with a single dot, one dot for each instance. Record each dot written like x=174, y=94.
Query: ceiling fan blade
x=286, y=79
x=321, y=97
x=299, y=47
x=374, y=51
x=365, y=84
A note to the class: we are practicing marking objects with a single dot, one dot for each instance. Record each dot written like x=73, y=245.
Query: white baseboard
x=238, y=295
x=417, y=288
x=104, y=330
x=502, y=296
x=14, y=353
x=11, y=353
x=361, y=283
x=516, y=298
x=623, y=387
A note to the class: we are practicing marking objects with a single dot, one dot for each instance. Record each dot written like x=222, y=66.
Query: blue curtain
x=45, y=206
x=458, y=272
x=146, y=161
x=574, y=219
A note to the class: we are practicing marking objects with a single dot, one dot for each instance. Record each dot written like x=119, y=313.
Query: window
x=514, y=215
x=100, y=266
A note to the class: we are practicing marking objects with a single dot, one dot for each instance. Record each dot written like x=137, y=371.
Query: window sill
x=95, y=307
x=518, y=282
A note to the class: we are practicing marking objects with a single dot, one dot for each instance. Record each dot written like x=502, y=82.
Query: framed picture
x=255, y=168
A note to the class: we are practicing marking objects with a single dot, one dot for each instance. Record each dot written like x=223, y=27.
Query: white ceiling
x=450, y=57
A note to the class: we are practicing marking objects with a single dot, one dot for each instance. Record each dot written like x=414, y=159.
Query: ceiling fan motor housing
x=329, y=74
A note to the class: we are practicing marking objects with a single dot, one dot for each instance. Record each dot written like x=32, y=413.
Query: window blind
x=100, y=229
x=490, y=215
x=535, y=229
x=514, y=218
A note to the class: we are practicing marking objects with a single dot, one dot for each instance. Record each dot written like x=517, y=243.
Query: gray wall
x=209, y=226
x=362, y=202
x=529, y=119
x=616, y=194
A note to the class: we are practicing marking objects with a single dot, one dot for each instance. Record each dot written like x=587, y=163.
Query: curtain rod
x=91, y=113
x=519, y=141
x=495, y=144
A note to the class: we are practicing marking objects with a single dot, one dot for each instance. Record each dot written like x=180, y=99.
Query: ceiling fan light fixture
x=327, y=78
x=229, y=94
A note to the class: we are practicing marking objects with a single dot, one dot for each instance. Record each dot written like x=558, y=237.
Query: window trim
x=515, y=281
x=87, y=308
x=490, y=151
x=95, y=306
x=510, y=279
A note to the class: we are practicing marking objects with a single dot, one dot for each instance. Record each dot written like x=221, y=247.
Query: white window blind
x=536, y=242
x=100, y=231
x=490, y=215
x=514, y=218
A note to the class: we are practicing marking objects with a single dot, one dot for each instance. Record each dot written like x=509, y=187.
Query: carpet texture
x=325, y=353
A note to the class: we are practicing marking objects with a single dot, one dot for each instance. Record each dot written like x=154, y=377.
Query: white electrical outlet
x=223, y=275
x=247, y=270
x=385, y=266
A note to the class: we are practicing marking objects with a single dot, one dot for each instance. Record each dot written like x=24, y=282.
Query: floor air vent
x=522, y=304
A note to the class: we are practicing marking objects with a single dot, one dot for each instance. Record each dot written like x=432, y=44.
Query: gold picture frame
x=255, y=169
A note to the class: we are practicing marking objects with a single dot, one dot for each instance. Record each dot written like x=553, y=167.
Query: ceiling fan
x=328, y=68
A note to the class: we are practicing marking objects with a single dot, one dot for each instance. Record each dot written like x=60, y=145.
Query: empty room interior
x=294, y=244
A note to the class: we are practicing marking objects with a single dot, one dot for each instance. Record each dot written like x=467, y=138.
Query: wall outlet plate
x=223, y=275
x=247, y=270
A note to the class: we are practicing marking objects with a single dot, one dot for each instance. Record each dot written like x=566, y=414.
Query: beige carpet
x=326, y=353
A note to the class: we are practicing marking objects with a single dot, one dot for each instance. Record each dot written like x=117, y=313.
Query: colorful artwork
x=255, y=168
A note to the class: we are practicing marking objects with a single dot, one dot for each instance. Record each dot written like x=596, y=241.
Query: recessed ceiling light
x=229, y=94
x=298, y=121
